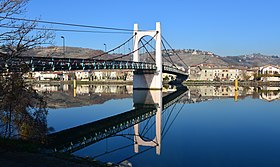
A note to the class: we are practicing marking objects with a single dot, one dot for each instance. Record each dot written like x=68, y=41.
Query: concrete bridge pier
x=148, y=79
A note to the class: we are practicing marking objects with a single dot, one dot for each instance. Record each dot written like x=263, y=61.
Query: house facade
x=126, y=75
x=215, y=73
x=269, y=69
x=82, y=75
x=42, y=76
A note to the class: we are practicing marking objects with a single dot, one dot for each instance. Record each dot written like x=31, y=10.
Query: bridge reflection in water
x=147, y=103
x=141, y=99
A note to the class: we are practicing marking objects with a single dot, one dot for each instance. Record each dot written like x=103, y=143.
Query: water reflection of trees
x=22, y=111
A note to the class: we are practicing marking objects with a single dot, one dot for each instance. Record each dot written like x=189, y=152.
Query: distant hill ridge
x=190, y=56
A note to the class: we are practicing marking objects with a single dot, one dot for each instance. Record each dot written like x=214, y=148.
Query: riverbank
x=101, y=82
x=187, y=83
x=240, y=83
x=20, y=153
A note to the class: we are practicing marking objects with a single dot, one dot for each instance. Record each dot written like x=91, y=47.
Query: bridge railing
x=67, y=64
x=173, y=70
x=61, y=64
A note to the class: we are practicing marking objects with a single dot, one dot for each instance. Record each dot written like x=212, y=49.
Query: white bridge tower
x=147, y=79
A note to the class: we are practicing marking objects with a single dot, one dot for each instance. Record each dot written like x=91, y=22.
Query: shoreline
x=110, y=82
x=24, y=153
x=107, y=82
x=186, y=83
x=240, y=83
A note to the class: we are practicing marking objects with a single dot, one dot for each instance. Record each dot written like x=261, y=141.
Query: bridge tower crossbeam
x=148, y=80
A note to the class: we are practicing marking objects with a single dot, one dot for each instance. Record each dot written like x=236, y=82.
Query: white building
x=82, y=75
x=270, y=93
x=215, y=73
x=45, y=75
x=269, y=69
x=82, y=89
x=45, y=88
x=270, y=79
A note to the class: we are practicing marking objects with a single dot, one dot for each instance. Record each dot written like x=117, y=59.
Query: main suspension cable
x=170, y=61
x=147, y=50
x=155, y=49
x=67, y=24
x=66, y=30
x=104, y=53
x=136, y=49
x=174, y=51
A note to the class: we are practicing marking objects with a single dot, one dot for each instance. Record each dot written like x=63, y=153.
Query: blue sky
x=231, y=27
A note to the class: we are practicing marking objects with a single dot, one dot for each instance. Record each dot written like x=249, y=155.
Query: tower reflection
x=143, y=99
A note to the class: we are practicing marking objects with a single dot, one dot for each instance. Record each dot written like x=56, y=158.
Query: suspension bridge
x=147, y=73
x=147, y=76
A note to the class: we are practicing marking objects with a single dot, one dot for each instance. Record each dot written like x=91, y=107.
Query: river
x=201, y=126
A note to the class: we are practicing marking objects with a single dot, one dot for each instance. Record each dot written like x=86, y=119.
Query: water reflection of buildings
x=203, y=93
x=269, y=93
x=65, y=95
x=85, y=88
x=112, y=89
x=196, y=93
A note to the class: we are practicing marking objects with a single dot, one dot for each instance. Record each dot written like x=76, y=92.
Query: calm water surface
x=198, y=130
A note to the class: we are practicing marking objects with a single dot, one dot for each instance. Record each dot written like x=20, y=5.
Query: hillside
x=190, y=56
x=194, y=57
x=253, y=60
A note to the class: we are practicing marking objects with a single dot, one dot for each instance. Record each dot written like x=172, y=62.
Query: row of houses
x=205, y=72
x=208, y=92
x=202, y=72
x=87, y=75
x=82, y=75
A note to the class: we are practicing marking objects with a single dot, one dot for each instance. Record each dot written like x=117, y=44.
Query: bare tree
x=18, y=36
x=22, y=111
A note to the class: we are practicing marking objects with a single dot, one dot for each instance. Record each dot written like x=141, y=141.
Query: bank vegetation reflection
x=23, y=112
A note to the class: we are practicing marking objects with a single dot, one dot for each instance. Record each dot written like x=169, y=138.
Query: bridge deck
x=69, y=64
